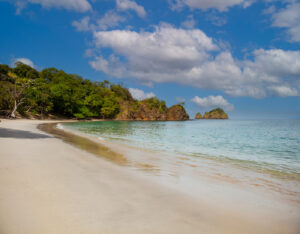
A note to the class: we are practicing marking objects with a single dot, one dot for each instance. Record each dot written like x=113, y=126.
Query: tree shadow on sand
x=21, y=134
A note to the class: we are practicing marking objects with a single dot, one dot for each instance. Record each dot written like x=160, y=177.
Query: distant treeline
x=27, y=92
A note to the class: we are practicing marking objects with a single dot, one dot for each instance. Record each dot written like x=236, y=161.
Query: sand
x=48, y=186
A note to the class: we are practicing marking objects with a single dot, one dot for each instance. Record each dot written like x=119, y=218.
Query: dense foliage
x=28, y=92
x=155, y=103
x=53, y=93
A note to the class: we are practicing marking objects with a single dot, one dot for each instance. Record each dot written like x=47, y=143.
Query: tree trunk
x=13, y=113
x=42, y=113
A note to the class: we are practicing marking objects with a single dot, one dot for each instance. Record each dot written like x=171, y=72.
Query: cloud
x=25, y=61
x=213, y=102
x=289, y=18
x=111, y=66
x=140, y=94
x=72, y=5
x=269, y=10
x=83, y=24
x=20, y=5
x=110, y=20
x=189, y=22
x=284, y=91
x=220, y=5
x=215, y=19
x=190, y=57
x=164, y=51
x=124, y=5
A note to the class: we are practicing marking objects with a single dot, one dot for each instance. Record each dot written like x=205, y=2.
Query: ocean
x=270, y=148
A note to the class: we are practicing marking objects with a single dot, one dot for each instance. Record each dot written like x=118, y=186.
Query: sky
x=240, y=55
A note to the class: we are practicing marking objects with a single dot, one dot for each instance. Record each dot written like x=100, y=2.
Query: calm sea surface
x=266, y=145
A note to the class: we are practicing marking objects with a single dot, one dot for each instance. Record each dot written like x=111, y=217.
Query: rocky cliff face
x=150, y=109
x=215, y=114
x=177, y=112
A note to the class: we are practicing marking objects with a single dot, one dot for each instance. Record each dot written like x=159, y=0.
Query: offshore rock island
x=217, y=113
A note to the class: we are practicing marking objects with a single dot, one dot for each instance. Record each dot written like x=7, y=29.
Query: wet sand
x=48, y=186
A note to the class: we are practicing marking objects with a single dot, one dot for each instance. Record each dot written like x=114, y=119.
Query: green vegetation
x=217, y=113
x=155, y=103
x=53, y=92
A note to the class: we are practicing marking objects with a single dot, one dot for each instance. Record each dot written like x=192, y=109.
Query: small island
x=198, y=116
x=217, y=113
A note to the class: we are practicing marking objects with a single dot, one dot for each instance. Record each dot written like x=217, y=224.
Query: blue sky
x=241, y=55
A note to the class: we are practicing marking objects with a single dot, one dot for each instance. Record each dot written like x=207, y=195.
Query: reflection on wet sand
x=162, y=165
x=84, y=143
x=93, y=147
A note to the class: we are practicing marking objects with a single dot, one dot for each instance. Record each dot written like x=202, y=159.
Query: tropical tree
x=17, y=92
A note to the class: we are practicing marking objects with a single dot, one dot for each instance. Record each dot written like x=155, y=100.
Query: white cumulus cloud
x=140, y=94
x=124, y=5
x=221, y=5
x=25, y=61
x=109, y=20
x=72, y=5
x=284, y=91
x=190, y=57
x=289, y=18
x=153, y=55
x=213, y=102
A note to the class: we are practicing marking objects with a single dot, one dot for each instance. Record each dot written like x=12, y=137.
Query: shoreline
x=150, y=158
x=148, y=165
x=82, y=142
x=50, y=186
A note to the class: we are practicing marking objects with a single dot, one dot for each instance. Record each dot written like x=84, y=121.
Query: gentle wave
x=266, y=146
x=60, y=126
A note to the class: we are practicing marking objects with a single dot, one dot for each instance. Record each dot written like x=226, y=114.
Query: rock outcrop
x=217, y=113
x=198, y=116
x=150, y=109
x=177, y=112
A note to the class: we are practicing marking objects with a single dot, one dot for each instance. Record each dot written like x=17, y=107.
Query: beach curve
x=48, y=186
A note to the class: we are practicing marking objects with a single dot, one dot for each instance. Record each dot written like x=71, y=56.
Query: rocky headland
x=151, y=109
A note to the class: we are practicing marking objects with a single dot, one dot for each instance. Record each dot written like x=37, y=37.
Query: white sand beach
x=48, y=186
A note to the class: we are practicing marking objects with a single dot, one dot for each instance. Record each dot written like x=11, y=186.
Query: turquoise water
x=271, y=145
